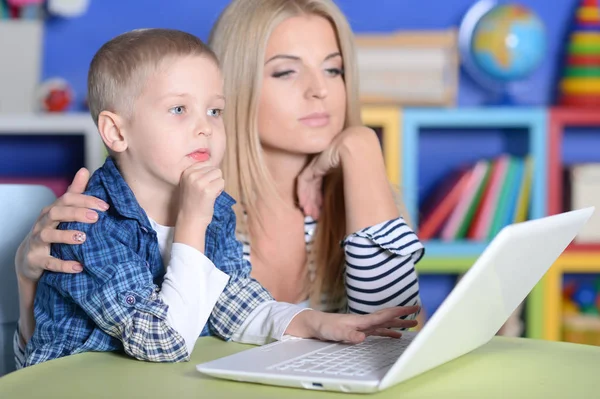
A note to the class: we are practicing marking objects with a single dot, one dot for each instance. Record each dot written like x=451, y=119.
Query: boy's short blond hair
x=121, y=67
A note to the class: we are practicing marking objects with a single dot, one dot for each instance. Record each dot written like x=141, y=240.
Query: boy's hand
x=199, y=187
x=351, y=328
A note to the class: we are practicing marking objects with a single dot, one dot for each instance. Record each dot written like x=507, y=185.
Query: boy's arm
x=243, y=295
x=116, y=290
x=191, y=287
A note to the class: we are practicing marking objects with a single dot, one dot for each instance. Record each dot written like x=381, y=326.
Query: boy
x=156, y=97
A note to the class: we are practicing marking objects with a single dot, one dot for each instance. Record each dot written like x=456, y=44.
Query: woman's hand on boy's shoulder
x=33, y=255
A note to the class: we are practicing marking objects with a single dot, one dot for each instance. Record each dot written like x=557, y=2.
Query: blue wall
x=70, y=44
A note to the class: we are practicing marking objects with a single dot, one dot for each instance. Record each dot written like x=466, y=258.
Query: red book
x=442, y=202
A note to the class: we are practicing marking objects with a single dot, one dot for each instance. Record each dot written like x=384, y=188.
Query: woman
x=308, y=176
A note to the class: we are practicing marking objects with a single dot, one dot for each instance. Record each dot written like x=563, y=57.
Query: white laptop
x=470, y=316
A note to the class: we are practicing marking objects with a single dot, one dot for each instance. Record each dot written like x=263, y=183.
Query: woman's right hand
x=33, y=255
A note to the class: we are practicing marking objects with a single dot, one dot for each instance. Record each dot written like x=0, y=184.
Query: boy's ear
x=111, y=127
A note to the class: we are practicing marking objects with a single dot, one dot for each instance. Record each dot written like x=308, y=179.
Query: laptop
x=471, y=315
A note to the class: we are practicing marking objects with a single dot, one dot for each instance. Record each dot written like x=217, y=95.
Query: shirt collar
x=123, y=201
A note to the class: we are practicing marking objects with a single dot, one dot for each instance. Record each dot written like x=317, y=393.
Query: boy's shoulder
x=108, y=186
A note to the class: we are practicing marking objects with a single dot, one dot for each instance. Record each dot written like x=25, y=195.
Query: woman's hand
x=310, y=180
x=351, y=328
x=33, y=255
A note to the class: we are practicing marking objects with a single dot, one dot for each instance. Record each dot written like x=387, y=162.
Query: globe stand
x=502, y=98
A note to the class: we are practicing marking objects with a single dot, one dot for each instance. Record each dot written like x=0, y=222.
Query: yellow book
x=521, y=211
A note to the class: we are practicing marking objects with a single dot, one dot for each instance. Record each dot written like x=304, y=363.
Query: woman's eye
x=335, y=71
x=215, y=112
x=282, y=74
x=180, y=109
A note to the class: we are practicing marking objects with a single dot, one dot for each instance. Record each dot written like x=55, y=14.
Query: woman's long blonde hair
x=239, y=39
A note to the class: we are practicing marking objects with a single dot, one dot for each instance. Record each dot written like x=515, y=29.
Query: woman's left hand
x=310, y=180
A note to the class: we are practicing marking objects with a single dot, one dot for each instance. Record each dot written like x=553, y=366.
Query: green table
x=504, y=368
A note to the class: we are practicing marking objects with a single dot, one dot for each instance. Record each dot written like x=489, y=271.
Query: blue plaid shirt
x=114, y=303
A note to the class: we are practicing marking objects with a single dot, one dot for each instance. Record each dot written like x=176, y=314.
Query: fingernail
x=103, y=205
x=91, y=215
x=79, y=237
x=77, y=268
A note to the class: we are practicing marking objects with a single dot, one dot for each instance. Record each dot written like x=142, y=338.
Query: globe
x=501, y=43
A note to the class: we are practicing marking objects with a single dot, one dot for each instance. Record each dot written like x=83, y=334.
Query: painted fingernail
x=79, y=237
x=103, y=205
x=77, y=268
x=91, y=215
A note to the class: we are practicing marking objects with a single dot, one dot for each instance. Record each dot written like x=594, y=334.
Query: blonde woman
x=315, y=210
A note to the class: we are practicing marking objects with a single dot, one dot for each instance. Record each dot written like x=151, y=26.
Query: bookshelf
x=570, y=262
x=76, y=124
x=435, y=140
x=48, y=148
x=572, y=138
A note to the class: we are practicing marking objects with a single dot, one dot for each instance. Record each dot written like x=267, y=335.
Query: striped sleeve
x=380, y=267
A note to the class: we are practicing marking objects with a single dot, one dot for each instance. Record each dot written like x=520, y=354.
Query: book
x=497, y=177
x=522, y=209
x=473, y=188
x=441, y=203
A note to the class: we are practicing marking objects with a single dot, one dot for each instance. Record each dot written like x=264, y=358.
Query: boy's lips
x=201, y=155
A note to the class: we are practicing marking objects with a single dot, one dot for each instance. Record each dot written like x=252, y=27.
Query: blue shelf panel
x=501, y=117
x=454, y=249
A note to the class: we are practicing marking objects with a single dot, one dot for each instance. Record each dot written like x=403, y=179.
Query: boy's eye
x=215, y=112
x=180, y=109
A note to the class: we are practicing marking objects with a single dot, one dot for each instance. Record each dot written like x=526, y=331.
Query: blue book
x=513, y=194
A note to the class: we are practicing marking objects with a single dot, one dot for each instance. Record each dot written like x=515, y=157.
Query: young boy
x=148, y=288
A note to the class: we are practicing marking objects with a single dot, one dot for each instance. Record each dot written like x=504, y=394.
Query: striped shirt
x=380, y=265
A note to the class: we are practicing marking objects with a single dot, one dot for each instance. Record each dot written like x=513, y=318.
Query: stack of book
x=476, y=201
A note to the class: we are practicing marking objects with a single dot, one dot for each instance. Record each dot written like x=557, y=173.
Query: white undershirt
x=191, y=288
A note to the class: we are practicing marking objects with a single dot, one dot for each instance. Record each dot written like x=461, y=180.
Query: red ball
x=57, y=100
x=55, y=95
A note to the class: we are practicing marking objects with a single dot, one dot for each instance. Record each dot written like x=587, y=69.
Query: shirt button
x=130, y=299
x=144, y=229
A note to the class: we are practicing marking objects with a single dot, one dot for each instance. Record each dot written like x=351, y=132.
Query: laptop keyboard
x=357, y=360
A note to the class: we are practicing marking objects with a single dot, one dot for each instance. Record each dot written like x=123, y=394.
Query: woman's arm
x=381, y=250
x=367, y=191
x=33, y=255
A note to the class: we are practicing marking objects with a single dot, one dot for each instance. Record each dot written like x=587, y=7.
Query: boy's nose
x=204, y=128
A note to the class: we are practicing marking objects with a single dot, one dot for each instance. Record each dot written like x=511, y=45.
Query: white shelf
x=59, y=124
